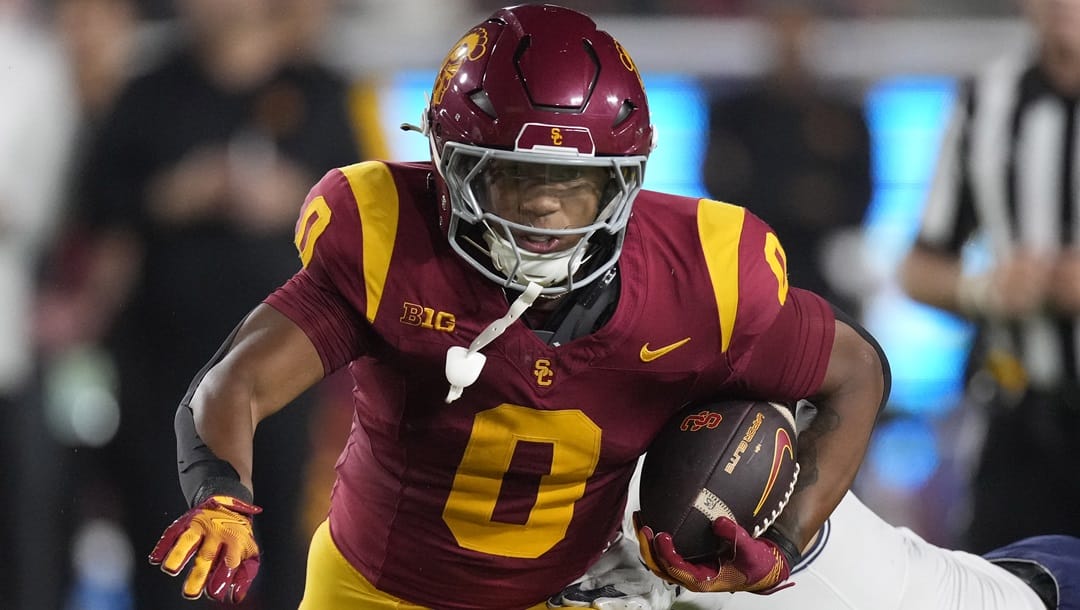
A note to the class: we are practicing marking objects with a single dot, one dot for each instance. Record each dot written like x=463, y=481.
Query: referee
x=1009, y=175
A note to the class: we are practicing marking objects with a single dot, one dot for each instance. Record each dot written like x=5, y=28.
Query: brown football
x=733, y=458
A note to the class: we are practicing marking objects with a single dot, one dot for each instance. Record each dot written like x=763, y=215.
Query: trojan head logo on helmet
x=539, y=127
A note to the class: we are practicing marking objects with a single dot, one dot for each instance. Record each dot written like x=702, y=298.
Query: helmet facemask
x=539, y=88
x=504, y=246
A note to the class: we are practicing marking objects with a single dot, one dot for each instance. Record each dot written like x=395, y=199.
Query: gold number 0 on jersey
x=575, y=440
x=774, y=255
x=314, y=219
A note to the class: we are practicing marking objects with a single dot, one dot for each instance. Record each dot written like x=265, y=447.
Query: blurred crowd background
x=153, y=155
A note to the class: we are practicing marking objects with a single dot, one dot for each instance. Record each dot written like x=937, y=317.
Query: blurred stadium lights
x=81, y=407
x=904, y=453
x=706, y=46
x=926, y=346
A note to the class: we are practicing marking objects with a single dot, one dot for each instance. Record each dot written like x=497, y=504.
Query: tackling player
x=520, y=319
x=857, y=561
x=860, y=562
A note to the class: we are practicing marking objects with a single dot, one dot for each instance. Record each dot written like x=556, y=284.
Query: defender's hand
x=617, y=581
x=754, y=564
x=218, y=533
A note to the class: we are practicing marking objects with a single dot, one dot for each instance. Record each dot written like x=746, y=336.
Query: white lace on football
x=463, y=365
x=760, y=529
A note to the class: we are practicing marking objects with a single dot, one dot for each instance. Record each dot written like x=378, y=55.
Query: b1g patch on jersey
x=413, y=314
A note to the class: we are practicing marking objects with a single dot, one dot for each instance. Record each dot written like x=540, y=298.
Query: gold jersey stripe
x=719, y=227
x=377, y=202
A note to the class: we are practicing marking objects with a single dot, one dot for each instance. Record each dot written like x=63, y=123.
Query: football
x=718, y=458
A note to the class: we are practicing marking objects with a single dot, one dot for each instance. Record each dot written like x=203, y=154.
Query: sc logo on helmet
x=563, y=139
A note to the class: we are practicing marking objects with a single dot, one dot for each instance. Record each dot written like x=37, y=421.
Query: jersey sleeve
x=326, y=318
x=776, y=339
x=324, y=296
x=788, y=360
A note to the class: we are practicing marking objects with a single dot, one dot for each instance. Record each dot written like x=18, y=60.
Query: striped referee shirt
x=1009, y=172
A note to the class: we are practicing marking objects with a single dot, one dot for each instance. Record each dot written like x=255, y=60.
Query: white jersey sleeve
x=860, y=562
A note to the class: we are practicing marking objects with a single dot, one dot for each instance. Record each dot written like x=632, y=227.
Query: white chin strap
x=543, y=269
x=463, y=365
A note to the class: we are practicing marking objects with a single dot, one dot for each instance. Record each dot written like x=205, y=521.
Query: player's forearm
x=263, y=365
x=224, y=420
x=832, y=447
x=214, y=437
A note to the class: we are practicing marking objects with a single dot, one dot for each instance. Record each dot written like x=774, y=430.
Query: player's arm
x=269, y=363
x=265, y=363
x=831, y=448
x=805, y=352
x=301, y=331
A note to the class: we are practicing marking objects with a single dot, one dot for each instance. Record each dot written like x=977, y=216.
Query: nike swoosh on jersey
x=648, y=355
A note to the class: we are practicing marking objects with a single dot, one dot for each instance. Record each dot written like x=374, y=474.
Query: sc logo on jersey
x=543, y=372
x=426, y=317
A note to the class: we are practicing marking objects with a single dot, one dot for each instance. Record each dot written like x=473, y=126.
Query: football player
x=520, y=319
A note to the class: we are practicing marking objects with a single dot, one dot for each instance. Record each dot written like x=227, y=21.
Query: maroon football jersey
x=506, y=495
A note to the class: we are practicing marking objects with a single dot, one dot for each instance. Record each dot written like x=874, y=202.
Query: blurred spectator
x=1007, y=184
x=191, y=187
x=798, y=155
x=37, y=119
x=36, y=127
x=646, y=7
x=159, y=10
x=741, y=8
x=100, y=43
x=99, y=38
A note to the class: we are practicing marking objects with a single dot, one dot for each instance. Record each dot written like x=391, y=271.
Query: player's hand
x=753, y=564
x=218, y=534
x=626, y=591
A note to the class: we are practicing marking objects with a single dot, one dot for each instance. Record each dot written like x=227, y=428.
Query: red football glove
x=754, y=564
x=218, y=533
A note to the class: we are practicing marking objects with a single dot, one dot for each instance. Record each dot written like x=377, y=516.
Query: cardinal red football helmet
x=538, y=84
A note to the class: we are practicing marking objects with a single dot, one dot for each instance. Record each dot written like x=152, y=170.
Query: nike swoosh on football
x=783, y=444
x=648, y=355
